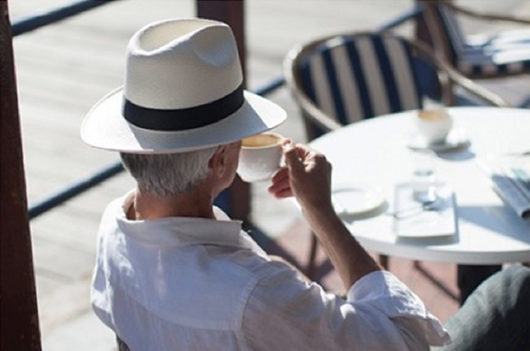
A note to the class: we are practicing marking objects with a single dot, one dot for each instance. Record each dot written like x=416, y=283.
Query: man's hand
x=307, y=177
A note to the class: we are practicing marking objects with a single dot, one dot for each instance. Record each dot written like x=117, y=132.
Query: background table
x=374, y=153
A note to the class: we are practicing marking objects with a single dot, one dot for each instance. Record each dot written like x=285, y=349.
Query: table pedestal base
x=470, y=276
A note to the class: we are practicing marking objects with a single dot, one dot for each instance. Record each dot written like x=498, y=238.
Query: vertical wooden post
x=232, y=13
x=18, y=302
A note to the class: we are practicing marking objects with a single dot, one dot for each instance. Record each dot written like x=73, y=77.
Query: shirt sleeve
x=283, y=312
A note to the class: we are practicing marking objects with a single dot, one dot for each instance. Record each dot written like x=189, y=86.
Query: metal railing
x=29, y=23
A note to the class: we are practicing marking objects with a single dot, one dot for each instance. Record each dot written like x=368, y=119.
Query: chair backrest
x=443, y=26
x=356, y=76
x=444, y=34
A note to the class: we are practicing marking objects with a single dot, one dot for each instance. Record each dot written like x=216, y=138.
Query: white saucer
x=457, y=139
x=353, y=202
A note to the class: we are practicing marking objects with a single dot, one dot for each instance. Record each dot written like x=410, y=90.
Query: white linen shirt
x=201, y=284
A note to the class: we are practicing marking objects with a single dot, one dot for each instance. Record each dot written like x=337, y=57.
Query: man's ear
x=217, y=162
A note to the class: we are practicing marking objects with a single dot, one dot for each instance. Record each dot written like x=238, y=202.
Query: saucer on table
x=356, y=202
x=456, y=139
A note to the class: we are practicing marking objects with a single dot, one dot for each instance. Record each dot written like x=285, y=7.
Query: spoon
x=428, y=201
x=411, y=211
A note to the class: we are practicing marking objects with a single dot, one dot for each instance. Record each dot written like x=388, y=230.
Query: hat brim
x=104, y=127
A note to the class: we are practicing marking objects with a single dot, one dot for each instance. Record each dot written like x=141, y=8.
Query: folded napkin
x=413, y=219
x=510, y=178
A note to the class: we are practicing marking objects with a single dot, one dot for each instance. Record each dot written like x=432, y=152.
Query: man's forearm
x=346, y=254
x=308, y=178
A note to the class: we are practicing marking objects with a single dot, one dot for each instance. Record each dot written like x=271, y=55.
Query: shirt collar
x=183, y=231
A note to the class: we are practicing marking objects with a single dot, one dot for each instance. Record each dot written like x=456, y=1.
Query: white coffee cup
x=434, y=125
x=260, y=157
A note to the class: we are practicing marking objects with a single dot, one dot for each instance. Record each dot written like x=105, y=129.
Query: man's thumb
x=291, y=155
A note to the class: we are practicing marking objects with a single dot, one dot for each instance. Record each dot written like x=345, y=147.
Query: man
x=173, y=272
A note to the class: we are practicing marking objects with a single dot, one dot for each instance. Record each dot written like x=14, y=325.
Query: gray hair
x=164, y=175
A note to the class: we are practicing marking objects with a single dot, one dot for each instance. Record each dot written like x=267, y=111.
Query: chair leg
x=383, y=261
x=471, y=276
x=310, y=269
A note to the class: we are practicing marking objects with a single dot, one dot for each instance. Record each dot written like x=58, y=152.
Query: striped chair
x=479, y=56
x=342, y=79
x=345, y=78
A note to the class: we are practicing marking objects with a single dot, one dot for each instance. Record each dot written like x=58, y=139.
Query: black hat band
x=186, y=118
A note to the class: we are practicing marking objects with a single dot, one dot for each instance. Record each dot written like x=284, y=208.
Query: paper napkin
x=414, y=220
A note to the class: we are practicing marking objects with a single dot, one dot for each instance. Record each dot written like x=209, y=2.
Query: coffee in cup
x=260, y=157
x=434, y=125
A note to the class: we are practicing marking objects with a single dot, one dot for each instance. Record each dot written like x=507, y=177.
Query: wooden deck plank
x=61, y=260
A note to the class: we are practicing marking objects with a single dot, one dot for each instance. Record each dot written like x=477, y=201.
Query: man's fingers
x=279, y=189
x=291, y=155
x=284, y=194
x=279, y=185
x=281, y=174
x=302, y=151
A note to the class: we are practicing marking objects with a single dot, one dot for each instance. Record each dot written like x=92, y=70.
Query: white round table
x=374, y=153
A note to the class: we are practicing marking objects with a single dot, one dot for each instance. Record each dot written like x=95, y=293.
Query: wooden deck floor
x=65, y=68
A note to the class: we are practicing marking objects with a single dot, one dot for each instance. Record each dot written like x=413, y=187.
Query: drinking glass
x=424, y=176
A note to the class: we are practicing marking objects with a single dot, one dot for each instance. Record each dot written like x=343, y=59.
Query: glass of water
x=424, y=176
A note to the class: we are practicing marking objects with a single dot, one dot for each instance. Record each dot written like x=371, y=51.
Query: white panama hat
x=183, y=91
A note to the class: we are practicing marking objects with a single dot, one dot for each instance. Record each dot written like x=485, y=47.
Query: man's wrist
x=321, y=216
x=317, y=206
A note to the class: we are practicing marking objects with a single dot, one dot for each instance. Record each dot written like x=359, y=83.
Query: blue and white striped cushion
x=504, y=54
x=355, y=77
x=494, y=61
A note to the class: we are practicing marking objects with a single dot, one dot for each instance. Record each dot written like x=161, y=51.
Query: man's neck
x=192, y=204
